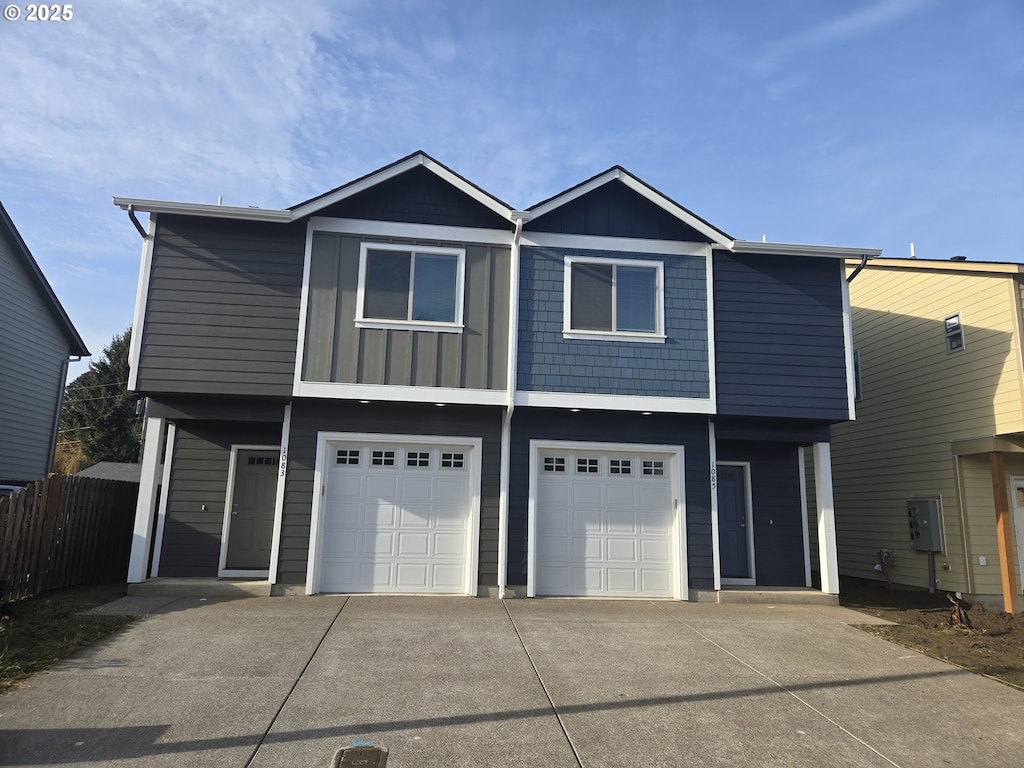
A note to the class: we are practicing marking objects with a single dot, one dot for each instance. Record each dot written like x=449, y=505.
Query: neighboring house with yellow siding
x=937, y=450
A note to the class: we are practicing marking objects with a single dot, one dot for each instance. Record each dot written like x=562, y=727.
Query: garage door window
x=654, y=468
x=348, y=457
x=453, y=460
x=620, y=466
x=554, y=464
x=417, y=459
x=383, y=459
x=586, y=466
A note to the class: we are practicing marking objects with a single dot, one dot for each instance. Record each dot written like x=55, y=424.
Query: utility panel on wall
x=925, y=521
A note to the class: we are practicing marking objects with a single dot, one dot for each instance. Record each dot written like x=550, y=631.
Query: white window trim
x=474, y=458
x=412, y=325
x=673, y=456
x=222, y=569
x=655, y=337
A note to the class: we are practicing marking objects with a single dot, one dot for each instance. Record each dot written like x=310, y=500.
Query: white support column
x=143, y=534
x=828, y=560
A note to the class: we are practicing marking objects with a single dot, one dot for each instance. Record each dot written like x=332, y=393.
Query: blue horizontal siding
x=550, y=363
x=779, y=340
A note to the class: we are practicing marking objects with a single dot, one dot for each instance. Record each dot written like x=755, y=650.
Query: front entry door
x=251, y=517
x=734, y=539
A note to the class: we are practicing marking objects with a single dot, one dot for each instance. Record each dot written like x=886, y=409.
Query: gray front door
x=251, y=528
x=733, y=538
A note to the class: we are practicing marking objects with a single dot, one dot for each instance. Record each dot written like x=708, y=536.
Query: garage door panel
x=607, y=530
x=396, y=518
x=622, y=549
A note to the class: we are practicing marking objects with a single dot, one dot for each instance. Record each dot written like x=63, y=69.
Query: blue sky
x=875, y=123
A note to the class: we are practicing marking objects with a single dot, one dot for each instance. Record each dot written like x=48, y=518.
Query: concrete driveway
x=286, y=681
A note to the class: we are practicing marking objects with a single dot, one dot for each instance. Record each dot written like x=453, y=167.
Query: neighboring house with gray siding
x=37, y=340
x=405, y=385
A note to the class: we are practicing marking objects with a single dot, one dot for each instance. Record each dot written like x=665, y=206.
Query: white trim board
x=400, y=393
x=141, y=300
x=323, y=439
x=615, y=244
x=675, y=455
x=161, y=519
x=582, y=400
x=398, y=229
x=282, y=479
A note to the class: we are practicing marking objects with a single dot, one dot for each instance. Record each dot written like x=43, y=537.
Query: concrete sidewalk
x=473, y=682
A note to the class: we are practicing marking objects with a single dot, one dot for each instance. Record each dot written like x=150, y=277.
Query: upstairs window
x=410, y=286
x=954, y=333
x=614, y=298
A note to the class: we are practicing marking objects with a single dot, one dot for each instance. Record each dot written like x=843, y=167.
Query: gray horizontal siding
x=199, y=476
x=309, y=418
x=667, y=429
x=337, y=351
x=222, y=314
x=779, y=340
x=550, y=363
x=34, y=350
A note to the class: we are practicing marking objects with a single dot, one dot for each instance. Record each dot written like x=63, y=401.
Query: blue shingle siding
x=550, y=363
x=779, y=339
x=606, y=426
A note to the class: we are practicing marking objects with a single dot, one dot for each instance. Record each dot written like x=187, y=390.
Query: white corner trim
x=851, y=379
x=584, y=400
x=805, y=518
x=709, y=267
x=222, y=569
x=324, y=439
x=614, y=244
x=282, y=478
x=161, y=520
x=400, y=393
x=141, y=300
x=675, y=454
x=300, y=347
x=138, y=562
x=716, y=557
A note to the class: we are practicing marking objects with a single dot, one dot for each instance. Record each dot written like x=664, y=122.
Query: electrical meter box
x=923, y=516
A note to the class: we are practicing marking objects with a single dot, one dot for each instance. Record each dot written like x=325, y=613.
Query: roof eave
x=274, y=215
x=801, y=249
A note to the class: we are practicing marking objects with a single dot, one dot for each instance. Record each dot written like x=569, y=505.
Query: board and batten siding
x=311, y=417
x=222, y=313
x=779, y=341
x=917, y=397
x=337, y=351
x=35, y=350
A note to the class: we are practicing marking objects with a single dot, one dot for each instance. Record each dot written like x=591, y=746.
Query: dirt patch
x=992, y=645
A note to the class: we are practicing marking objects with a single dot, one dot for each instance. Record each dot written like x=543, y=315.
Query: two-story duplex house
x=939, y=432
x=405, y=385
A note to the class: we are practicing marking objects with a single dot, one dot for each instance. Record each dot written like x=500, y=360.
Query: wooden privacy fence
x=65, y=531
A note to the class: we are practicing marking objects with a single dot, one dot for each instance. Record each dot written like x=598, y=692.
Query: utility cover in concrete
x=360, y=757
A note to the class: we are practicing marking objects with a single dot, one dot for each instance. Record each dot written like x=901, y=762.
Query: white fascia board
x=411, y=231
x=641, y=189
x=618, y=244
x=679, y=212
x=389, y=173
x=205, y=209
x=400, y=394
x=585, y=401
x=799, y=249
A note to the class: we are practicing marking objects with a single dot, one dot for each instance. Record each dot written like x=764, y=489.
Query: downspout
x=510, y=403
x=863, y=263
x=135, y=221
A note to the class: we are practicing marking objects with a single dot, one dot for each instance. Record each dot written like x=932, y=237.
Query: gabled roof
x=643, y=189
x=320, y=202
x=396, y=168
x=21, y=252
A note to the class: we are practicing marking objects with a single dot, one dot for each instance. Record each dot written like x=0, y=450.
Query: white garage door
x=604, y=524
x=397, y=517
